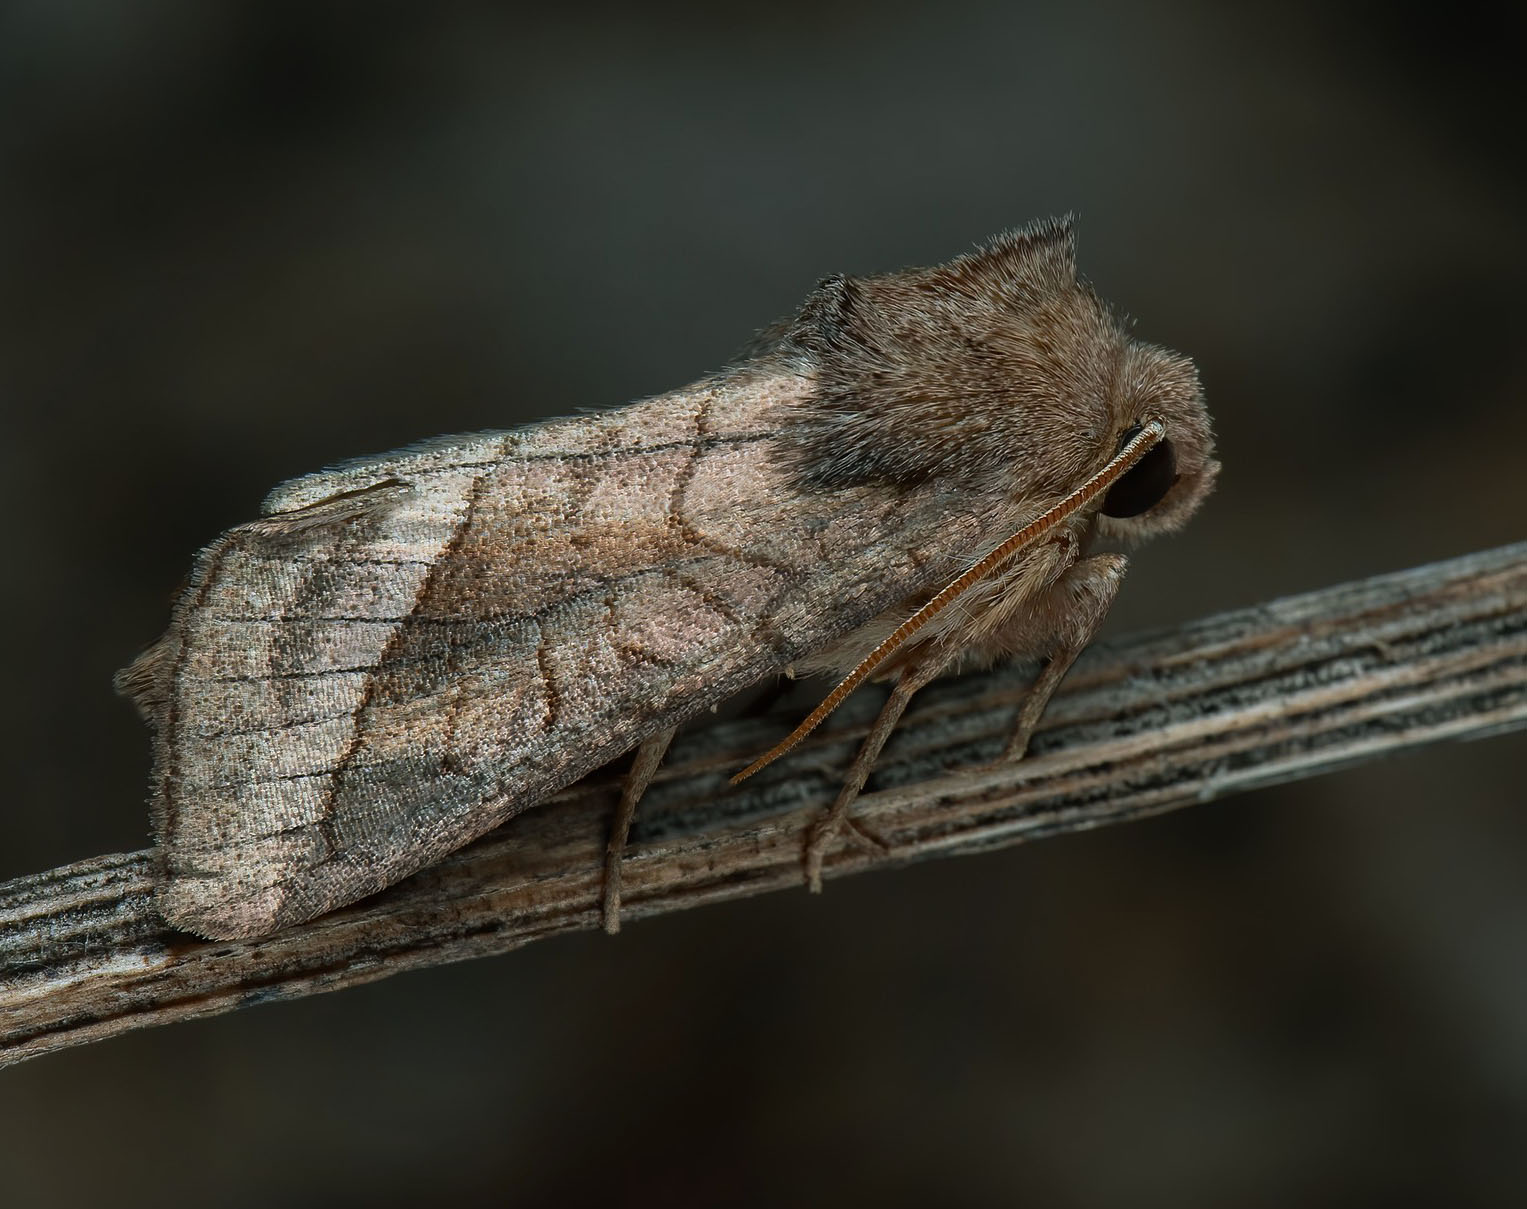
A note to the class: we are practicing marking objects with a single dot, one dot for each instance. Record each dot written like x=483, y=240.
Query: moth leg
x=1068, y=612
x=913, y=677
x=643, y=768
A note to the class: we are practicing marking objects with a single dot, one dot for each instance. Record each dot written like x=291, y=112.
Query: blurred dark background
x=243, y=240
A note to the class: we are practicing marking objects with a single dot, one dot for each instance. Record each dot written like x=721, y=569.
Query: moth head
x=1162, y=490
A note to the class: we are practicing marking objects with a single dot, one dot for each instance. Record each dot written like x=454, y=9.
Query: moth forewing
x=347, y=702
x=405, y=651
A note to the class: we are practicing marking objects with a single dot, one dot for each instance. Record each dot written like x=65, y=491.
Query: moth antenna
x=1134, y=449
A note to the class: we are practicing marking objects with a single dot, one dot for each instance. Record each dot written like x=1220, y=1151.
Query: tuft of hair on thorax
x=998, y=366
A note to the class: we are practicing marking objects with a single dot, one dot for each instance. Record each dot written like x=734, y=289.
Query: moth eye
x=1144, y=483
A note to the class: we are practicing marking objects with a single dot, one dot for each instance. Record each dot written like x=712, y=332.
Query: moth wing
x=410, y=650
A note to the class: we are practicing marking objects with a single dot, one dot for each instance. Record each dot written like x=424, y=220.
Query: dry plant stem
x=1142, y=725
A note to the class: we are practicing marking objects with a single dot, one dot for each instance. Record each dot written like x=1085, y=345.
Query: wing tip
x=211, y=909
x=146, y=680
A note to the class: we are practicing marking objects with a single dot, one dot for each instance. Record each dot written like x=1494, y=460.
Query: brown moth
x=404, y=651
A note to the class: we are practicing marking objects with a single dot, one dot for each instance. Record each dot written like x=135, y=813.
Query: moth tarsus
x=405, y=651
x=649, y=755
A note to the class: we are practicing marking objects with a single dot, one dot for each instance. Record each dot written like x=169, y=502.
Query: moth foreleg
x=914, y=676
x=1064, y=616
x=643, y=768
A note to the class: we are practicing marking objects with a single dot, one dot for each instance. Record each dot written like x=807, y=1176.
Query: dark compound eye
x=1146, y=481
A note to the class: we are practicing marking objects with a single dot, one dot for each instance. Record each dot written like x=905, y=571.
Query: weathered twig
x=1146, y=724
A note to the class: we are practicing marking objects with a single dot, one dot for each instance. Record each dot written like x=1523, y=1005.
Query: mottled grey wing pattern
x=408, y=650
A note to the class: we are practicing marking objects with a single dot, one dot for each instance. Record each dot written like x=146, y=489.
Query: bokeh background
x=242, y=240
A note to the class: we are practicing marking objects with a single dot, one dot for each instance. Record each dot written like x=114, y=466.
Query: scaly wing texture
x=408, y=650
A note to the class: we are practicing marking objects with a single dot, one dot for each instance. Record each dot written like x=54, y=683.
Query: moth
x=404, y=651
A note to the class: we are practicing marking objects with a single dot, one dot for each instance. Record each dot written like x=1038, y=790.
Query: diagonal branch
x=1146, y=724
